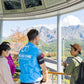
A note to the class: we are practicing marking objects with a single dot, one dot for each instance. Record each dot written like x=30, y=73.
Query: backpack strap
x=78, y=59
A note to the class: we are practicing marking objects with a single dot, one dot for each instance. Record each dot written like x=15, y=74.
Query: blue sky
x=74, y=18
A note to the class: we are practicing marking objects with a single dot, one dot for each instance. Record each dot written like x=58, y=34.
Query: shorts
x=32, y=83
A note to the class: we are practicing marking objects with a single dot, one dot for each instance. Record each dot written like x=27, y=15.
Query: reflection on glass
x=32, y=3
x=12, y=4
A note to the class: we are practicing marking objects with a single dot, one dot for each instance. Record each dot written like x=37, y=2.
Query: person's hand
x=45, y=77
x=64, y=64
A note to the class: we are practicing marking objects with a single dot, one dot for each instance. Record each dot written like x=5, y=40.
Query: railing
x=52, y=73
x=58, y=73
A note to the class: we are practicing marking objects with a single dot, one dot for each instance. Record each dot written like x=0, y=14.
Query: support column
x=63, y=54
x=1, y=30
x=58, y=49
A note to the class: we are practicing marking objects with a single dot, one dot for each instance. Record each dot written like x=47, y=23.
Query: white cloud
x=66, y=21
x=50, y=26
x=71, y=20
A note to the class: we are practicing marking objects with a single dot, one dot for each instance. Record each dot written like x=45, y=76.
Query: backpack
x=80, y=79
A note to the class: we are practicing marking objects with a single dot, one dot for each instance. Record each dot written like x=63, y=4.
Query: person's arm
x=11, y=64
x=69, y=69
x=45, y=72
x=40, y=59
x=13, y=67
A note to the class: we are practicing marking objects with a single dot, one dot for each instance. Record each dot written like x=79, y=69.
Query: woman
x=10, y=61
x=5, y=73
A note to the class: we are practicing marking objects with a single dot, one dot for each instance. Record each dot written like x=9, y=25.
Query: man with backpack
x=74, y=68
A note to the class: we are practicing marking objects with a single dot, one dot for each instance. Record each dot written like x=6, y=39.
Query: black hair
x=32, y=34
x=4, y=47
x=5, y=43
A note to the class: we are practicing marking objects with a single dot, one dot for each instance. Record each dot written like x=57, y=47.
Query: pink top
x=11, y=64
x=5, y=73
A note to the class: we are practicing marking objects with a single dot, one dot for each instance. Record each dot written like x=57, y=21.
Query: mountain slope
x=68, y=33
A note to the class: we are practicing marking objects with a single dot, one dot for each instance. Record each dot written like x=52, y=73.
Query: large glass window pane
x=0, y=8
x=12, y=4
x=32, y=3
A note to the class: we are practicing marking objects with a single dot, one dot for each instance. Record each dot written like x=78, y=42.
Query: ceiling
x=36, y=9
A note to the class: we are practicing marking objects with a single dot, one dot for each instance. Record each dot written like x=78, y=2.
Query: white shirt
x=5, y=73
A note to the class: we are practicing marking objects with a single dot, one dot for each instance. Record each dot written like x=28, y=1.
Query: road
x=52, y=64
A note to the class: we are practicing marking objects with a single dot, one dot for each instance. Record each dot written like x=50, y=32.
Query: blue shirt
x=29, y=66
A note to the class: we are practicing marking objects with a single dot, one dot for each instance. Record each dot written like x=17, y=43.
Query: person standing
x=5, y=73
x=31, y=61
x=10, y=60
x=73, y=67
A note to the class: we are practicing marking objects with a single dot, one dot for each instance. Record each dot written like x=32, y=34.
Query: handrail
x=59, y=73
x=15, y=79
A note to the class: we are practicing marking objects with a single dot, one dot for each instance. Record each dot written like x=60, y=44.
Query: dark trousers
x=32, y=83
